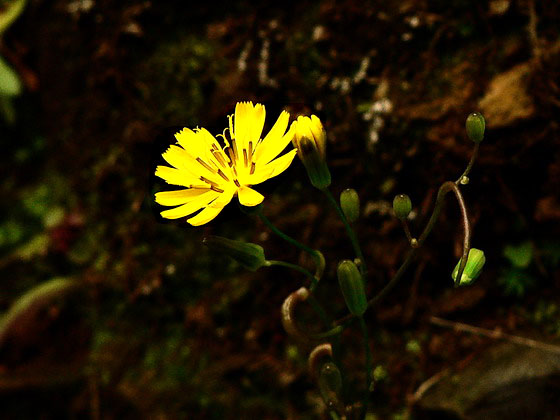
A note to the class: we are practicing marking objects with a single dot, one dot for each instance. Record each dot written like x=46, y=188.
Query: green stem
x=349, y=231
x=315, y=254
x=334, y=415
x=365, y=335
x=311, y=299
x=445, y=188
x=471, y=163
x=314, y=282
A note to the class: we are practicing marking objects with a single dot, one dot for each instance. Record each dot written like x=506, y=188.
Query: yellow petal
x=205, y=216
x=224, y=198
x=274, y=146
x=189, y=208
x=249, y=197
x=190, y=141
x=176, y=177
x=248, y=125
x=274, y=135
x=178, y=197
x=282, y=163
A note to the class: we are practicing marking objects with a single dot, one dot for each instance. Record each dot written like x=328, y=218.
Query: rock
x=507, y=381
x=507, y=101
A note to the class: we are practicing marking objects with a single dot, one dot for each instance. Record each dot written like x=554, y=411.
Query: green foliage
x=517, y=278
x=520, y=255
x=10, y=85
x=547, y=315
x=175, y=77
x=31, y=300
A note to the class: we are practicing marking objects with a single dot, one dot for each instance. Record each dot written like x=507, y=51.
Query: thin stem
x=412, y=241
x=471, y=163
x=270, y=263
x=445, y=188
x=349, y=231
x=315, y=254
x=365, y=335
x=311, y=299
x=334, y=415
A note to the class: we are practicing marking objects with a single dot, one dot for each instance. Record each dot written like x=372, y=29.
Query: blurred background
x=110, y=312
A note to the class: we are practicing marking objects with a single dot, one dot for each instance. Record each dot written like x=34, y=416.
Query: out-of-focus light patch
x=242, y=60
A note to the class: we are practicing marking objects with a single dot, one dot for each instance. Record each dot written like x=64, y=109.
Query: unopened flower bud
x=330, y=382
x=402, y=206
x=310, y=142
x=473, y=268
x=249, y=255
x=475, y=125
x=352, y=287
x=350, y=204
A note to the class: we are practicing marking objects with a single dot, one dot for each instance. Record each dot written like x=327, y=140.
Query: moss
x=175, y=80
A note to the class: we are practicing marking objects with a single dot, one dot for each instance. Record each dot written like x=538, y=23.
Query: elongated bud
x=352, y=287
x=310, y=142
x=330, y=382
x=402, y=206
x=475, y=126
x=475, y=262
x=249, y=255
x=350, y=204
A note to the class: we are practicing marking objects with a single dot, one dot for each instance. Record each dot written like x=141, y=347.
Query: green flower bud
x=249, y=255
x=350, y=204
x=310, y=142
x=330, y=382
x=475, y=262
x=402, y=206
x=352, y=287
x=475, y=125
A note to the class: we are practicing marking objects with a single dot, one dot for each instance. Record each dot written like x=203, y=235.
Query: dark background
x=161, y=328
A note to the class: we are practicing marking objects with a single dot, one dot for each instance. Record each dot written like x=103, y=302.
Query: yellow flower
x=310, y=140
x=311, y=129
x=214, y=175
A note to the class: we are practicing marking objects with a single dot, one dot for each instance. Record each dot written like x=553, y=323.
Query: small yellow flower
x=311, y=129
x=214, y=174
x=310, y=140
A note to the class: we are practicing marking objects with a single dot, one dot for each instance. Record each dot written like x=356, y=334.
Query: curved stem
x=471, y=163
x=311, y=298
x=365, y=335
x=315, y=254
x=412, y=241
x=445, y=188
x=349, y=231
x=270, y=263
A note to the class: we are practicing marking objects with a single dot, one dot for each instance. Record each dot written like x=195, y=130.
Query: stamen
x=236, y=182
x=218, y=190
x=245, y=160
x=252, y=171
x=219, y=157
x=222, y=175
x=212, y=183
x=234, y=148
x=231, y=154
x=250, y=153
x=199, y=160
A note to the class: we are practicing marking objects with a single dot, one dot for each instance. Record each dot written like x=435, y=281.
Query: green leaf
x=519, y=255
x=10, y=13
x=10, y=84
x=31, y=300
